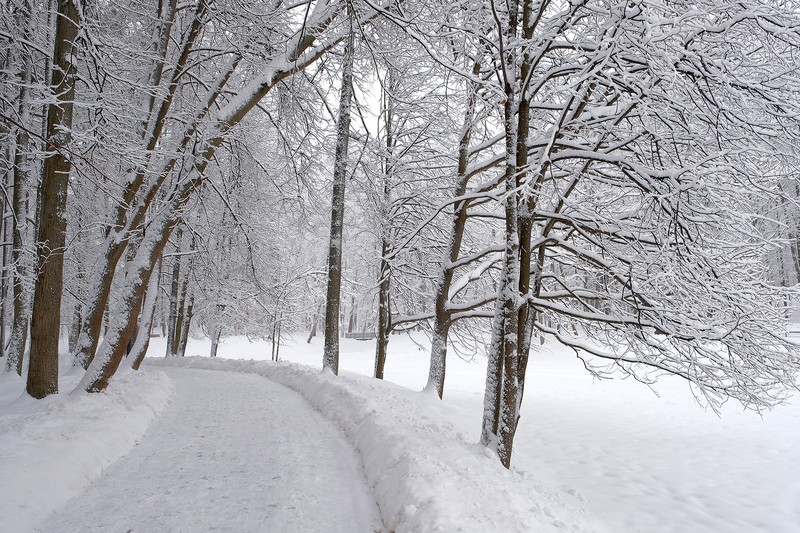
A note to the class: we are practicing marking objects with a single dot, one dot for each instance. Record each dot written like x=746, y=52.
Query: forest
x=618, y=175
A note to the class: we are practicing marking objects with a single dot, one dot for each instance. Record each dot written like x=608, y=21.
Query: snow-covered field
x=589, y=455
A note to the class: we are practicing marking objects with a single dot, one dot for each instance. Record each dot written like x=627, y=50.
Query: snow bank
x=427, y=476
x=51, y=449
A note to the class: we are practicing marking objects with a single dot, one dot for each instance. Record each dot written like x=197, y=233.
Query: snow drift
x=52, y=449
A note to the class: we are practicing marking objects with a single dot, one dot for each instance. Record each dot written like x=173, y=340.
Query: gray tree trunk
x=215, y=340
x=330, y=359
x=19, y=221
x=499, y=425
x=174, y=293
x=384, y=274
x=186, y=322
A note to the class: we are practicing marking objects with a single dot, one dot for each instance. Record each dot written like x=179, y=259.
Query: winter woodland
x=619, y=178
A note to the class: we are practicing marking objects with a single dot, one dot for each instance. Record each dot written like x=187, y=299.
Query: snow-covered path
x=232, y=452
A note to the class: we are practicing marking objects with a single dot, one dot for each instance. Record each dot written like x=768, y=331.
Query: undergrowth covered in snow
x=51, y=449
x=427, y=476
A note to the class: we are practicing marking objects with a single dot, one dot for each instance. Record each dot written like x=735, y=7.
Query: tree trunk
x=384, y=314
x=185, y=305
x=127, y=219
x=503, y=355
x=185, y=323
x=75, y=327
x=139, y=349
x=352, y=322
x=215, y=340
x=19, y=206
x=313, y=332
x=384, y=274
x=174, y=292
x=441, y=317
x=276, y=336
x=3, y=289
x=45, y=322
x=494, y=381
x=526, y=316
x=330, y=358
x=124, y=319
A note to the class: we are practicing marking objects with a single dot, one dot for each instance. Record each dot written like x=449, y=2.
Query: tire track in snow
x=232, y=452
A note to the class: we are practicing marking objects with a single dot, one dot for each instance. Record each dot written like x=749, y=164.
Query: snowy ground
x=51, y=449
x=589, y=456
x=634, y=460
x=232, y=452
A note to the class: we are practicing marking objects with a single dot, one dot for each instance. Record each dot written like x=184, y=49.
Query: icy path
x=232, y=452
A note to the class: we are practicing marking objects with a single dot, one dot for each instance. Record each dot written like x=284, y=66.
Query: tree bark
x=185, y=324
x=384, y=274
x=123, y=321
x=330, y=358
x=313, y=332
x=3, y=288
x=441, y=317
x=75, y=327
x=215, y=340
x=139, y=349
x=19, y=224
x=503, y=355
x=384, y=314
x=173, y=320
x=45, y=322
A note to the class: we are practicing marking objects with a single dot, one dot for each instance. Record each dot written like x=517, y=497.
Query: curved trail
x=232, y=452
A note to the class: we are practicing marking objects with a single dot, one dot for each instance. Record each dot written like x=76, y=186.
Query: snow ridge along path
x=232, y=452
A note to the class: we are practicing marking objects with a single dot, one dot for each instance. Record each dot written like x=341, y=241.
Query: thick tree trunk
x=127, y=218
x=508, y=297
x=330, y=358
x=45, y=322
